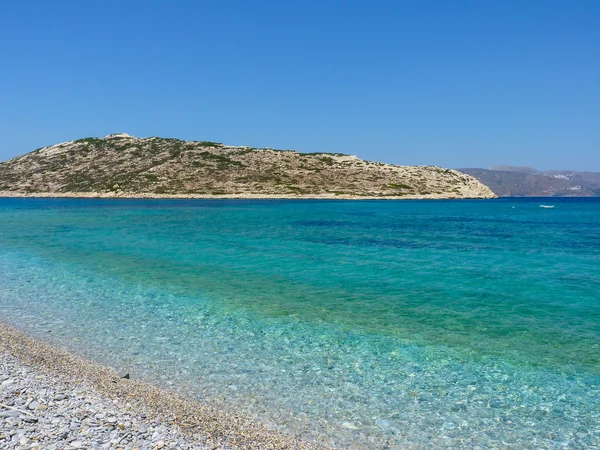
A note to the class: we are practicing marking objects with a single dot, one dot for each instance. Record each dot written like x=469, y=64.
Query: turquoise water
x=366, y=323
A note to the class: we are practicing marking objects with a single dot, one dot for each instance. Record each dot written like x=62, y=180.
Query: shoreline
x=188, y=423
x=122, y=195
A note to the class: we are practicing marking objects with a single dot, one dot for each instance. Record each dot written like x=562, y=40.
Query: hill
x=528, y=182
x=120, y=165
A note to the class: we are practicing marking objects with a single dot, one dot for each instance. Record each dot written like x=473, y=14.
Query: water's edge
x=218, y=425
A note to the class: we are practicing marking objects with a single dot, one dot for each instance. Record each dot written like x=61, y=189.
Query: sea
x=364, y=324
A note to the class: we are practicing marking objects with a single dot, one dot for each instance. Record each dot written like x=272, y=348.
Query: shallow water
x=416, y=323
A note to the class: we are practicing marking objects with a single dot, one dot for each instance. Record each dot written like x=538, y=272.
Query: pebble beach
x=52, y=399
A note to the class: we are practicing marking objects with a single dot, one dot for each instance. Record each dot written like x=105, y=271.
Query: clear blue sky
x=451, y=83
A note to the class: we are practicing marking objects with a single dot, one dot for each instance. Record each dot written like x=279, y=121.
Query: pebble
x=71, y=425
x=33, y=405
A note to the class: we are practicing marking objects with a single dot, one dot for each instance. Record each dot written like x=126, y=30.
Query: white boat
x=546, y=206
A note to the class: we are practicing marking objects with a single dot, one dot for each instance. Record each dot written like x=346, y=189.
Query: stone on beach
x=33, y=405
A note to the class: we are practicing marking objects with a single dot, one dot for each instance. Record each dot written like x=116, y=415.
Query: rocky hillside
x=120, y=165
x=507, y=181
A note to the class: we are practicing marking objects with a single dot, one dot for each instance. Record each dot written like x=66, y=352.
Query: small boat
x=546, y=206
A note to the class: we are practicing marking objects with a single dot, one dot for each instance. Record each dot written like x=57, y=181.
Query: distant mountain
x=524, y=169
x=120, y=165
x=510, y=181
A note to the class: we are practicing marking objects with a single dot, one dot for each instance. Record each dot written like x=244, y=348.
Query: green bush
x=399, y=186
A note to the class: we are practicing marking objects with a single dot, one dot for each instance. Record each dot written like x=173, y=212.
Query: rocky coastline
x=247, y=196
